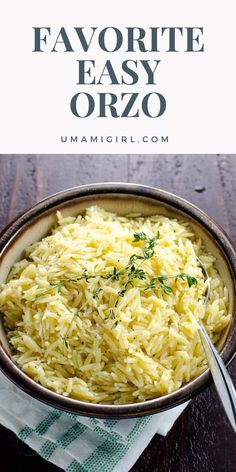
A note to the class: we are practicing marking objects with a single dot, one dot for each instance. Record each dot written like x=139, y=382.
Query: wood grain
x=201, y=440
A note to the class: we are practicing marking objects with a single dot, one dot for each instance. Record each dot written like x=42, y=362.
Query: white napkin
x=75, y=443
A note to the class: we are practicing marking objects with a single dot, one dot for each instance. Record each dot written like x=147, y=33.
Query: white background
x=36, y=89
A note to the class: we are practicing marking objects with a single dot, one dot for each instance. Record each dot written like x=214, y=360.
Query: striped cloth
x=75, y=443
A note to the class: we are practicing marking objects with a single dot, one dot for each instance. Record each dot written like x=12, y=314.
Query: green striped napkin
x=75, y=443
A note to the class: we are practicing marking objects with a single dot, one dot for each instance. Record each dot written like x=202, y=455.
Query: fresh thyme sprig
x=166, y=288
x=62, y=282
x=132, y=271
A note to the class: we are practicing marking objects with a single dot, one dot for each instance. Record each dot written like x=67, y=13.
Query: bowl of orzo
x=101, y=292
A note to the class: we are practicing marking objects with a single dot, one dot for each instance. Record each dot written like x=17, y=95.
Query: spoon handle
x=221, y=377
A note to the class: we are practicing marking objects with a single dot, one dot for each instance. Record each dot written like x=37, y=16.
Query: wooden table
x=201, y=440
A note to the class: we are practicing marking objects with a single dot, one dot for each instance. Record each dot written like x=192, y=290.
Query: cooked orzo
x=104, y=309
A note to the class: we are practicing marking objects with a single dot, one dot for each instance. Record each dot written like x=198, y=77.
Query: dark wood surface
x=201, y=440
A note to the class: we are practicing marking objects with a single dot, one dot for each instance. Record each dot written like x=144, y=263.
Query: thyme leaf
x=166, y=288
x=96, y=292
x=183, y=276
x=112, y=315
x=139, y=236
x=65, y=341
x=115, y=324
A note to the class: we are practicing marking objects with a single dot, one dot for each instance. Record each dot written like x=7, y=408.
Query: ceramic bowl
x=122, y=199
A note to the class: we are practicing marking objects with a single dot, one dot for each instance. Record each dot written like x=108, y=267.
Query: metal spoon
x=221, y=377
